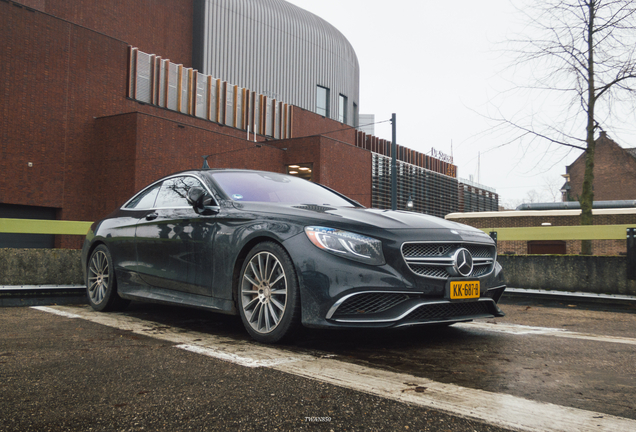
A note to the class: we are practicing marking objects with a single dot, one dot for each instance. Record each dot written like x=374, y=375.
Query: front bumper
x=398, y=309
x=337, y=292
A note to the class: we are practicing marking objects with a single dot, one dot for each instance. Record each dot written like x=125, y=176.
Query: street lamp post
x=393, y=166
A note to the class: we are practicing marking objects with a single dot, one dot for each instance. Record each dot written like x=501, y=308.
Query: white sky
x=441, y=67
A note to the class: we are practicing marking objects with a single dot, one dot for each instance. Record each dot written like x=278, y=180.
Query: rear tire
x=268, y=295
x=101, y=285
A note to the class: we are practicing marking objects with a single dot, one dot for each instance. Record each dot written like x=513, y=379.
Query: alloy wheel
x=98, y=277
x=264, y=292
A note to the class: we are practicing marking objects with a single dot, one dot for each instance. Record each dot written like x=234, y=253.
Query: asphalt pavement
x=59, y=374
x=553, y=363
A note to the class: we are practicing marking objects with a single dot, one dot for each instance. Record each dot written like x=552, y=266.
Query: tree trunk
x=587, y=194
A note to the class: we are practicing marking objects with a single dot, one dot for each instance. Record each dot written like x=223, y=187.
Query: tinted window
x=271, y=187
x=342, y=108
x=174, y=192
x=322, y=101
x=145, y=199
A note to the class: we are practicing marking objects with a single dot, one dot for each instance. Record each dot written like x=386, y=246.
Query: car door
x=121, y=238
x=174, y=242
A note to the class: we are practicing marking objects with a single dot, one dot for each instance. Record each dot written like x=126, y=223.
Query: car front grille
x=369, y=303
x=430, y=259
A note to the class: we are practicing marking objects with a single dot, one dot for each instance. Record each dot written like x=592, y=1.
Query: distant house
x=614, y=173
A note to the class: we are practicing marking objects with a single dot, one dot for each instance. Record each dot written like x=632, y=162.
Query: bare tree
x=585, y=50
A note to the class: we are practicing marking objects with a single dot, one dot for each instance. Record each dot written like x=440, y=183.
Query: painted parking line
x=517, y=329
x=497, y=409
x=237, y=359
x=56, y=311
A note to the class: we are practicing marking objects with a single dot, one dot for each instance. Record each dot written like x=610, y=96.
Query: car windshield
x=272, y=187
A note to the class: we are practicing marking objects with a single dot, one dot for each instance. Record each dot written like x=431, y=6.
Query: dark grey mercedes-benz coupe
x=283, y=252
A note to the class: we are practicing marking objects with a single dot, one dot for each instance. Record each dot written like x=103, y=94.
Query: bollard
x=493, y=235
x=631, y=253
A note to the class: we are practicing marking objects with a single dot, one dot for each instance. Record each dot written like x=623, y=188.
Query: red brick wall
x=306, y=123
x=59, y=77
x=113, y=164
x=63, y=108
x=161, y=27
x=340, y=166
x=614, y=173
x=347, y=169
x=164, y=147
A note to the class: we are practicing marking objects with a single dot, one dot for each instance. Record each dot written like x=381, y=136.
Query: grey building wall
x=277, y=49
x=367, y=123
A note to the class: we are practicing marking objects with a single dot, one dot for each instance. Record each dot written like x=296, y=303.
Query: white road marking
x=545, y=331
x=233, y=358
x=494, y=408
x=56, y=311
x=506, y=411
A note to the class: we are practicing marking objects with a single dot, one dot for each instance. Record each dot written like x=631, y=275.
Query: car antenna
x=205, y=162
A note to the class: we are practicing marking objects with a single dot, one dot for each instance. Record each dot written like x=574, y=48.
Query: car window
x=272, y=187
x=174, y=192
x=146, y=199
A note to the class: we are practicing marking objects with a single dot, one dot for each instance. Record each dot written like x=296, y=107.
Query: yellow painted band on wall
x=37, y=226
x=589, y=232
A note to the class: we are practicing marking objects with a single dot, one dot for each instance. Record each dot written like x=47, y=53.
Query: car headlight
x=347, y=244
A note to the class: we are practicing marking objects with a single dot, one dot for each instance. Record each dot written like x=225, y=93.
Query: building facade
x=90, y=117
x=614, y=173
x=475, y=197
x=277, y=49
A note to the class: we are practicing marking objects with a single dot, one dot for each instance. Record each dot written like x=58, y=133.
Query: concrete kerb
x=583, y=297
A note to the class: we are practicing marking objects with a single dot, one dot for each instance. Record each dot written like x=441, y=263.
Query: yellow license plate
x=464, y=289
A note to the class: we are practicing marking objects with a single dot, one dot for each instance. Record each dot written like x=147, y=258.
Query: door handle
x=151, y=216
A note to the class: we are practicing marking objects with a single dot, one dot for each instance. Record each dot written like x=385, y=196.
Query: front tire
x=101, y=285
x=268, y=299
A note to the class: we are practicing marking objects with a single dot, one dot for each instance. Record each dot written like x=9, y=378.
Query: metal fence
x=430, y=192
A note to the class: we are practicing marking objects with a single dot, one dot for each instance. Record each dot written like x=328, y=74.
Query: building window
x=322, y=101
x=355, y=115
x=302, y=170
x=342, y=109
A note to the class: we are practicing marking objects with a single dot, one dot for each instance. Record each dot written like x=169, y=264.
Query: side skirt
x=165, y=296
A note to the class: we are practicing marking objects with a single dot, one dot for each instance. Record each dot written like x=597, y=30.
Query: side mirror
x=202, y=202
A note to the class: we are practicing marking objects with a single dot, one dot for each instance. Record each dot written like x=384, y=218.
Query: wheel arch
x=242, y=255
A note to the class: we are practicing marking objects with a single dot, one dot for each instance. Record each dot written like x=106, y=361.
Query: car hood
x=364, y=219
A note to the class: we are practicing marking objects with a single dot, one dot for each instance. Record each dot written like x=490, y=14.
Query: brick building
x=537, y=218
x=84, y=126
x=614, y=172
x=614, y=180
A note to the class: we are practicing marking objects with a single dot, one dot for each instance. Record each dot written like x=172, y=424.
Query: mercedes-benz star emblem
x=463, y=262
